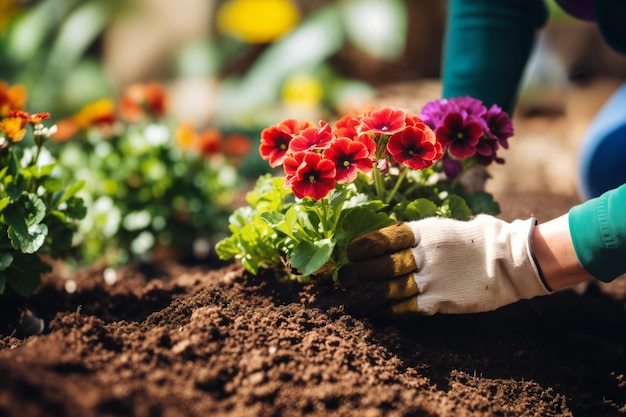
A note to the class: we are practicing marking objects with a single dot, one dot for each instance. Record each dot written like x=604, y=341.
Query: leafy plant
x=151, y=182
x=363, y=173
x=38, y=211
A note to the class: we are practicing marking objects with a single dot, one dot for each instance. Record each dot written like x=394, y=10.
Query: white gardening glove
x=439, y=265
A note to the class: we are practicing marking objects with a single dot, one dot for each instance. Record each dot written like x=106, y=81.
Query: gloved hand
x=440, y=265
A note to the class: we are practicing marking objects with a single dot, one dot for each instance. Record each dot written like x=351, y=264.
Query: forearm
x=555, y=254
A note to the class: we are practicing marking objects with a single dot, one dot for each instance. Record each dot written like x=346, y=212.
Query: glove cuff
x=533, y=224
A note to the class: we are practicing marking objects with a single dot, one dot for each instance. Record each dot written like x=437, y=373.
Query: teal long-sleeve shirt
x=598, y=231
x=487, y=46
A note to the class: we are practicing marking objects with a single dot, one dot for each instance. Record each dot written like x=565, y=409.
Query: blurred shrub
x=38, y=211
x=150, y=182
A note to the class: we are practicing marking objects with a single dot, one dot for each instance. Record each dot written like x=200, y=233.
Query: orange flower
x=186, y=136
x=143, y=100
x=66, y=128
x=209, y=141
x=98, y=113
x=39, y=117
x=237, y=145
x=12, y=97
x=14, y=127
x=95, y=113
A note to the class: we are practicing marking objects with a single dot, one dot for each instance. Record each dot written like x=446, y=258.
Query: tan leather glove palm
x=439, y=265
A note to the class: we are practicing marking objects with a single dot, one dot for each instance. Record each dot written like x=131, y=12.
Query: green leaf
x=76, y=208
x=40, y=171
x=71, y=190
x=27, y=211
x=359, y=220
x=53, y=184
x=24, y=276
x=456, y=208
x=5, y=260
x=482, y=202
x=309, y=257
x=279, y=222
x=29, y=241
x=3, y=281
x=416, y=210
x=4, y=202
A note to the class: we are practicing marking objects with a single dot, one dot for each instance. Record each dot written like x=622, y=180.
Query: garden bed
x=199, y=340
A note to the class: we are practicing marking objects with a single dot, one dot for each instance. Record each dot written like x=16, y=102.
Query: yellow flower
x=14, y=128
x=186, y=136
x=257, y=21
x=98, y=112
x=302, y=90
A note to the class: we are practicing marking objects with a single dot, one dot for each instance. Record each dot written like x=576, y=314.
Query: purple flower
x=459, y=134
x=434, y=112
x=499, y=125
x=452, y=167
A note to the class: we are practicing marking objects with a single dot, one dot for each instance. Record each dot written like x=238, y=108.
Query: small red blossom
x=347, y=126
x=413, y=120
x=312, y=138
x=275, y=140
x=415, y=147
x=210, y=141
x=309, y=174
x=39, y=117
x=237, y=145
x=143, y=100
x=19, y=114
x=350, y=157
x=460, y=135
x=385, y=121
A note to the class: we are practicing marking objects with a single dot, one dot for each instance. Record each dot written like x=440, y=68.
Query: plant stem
x=396, y=187
x=324, y=216
x=379, y=184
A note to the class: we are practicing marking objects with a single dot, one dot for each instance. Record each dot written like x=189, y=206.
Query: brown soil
x=181, y=340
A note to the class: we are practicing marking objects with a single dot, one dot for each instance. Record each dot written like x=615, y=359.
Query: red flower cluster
x=315, y=158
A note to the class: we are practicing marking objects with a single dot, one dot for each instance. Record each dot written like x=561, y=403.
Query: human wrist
x=555, y=254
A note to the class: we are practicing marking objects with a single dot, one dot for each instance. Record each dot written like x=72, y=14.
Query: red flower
x=275, y=140
x=369, y=143
x=309, y=174
x=312, y=138
x=39, y=117
x=412, y=120
x=415, y=147
x=209, y=141
x=143, y=100
x=349, y=157
x=459, y=134
x=347, y=126
x=385, y=121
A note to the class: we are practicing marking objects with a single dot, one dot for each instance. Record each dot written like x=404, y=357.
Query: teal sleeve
x=598, y=231
x=487, y=44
